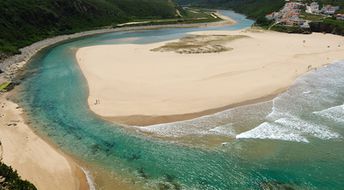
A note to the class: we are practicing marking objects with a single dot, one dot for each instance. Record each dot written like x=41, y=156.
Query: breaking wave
x=89, y=179
x=291, y=116
x=289, y=129
x=226, y=123
x=335, y=113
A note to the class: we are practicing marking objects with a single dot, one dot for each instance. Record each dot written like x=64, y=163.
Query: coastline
x=11, y=65
x=207, y=160
x=188, y=86
x=40, y=173
x=146, y=120
x=35, y=159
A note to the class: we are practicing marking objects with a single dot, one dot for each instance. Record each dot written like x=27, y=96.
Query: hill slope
x=252, y=8
x=257, y=9
x=23, y=22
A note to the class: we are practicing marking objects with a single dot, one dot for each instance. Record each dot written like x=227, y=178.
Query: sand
x=13, y=64
x=133, y=85
x=34, y=159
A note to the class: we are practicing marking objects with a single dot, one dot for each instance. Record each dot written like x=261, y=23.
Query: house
x=295, y=20
x=305, y=25
x=270, y=16
x=313, y=8
x=340, y=16
x=329, y=9
x=288, y=15
x=273, y=16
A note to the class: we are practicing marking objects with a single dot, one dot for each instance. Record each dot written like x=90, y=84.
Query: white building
x=329, y=9
x=313, y=8
x=340, y=16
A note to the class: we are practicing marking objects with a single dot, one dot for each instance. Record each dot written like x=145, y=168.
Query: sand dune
x=132, y=84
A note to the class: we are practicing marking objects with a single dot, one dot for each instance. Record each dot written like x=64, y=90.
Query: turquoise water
x=295, y=140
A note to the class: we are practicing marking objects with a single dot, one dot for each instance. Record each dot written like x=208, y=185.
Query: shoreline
x=168, y=90
x=13, y=65
x=36, y=159
x=146, y=120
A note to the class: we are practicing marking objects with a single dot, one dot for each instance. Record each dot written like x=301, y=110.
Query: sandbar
x=131, y=84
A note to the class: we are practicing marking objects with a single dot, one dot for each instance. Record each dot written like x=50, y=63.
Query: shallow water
x=295, y=140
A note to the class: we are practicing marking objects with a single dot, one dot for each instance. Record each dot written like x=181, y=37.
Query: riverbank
x=13, y=64
x=54, y=171
x=34, y=159
x=137, y=86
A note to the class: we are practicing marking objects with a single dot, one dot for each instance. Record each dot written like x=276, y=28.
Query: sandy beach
x=33, y=158
x=55, y=171
x=133, y=85
x=13, y=64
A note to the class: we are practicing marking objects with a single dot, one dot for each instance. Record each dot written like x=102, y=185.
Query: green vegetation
x=4, y=85
x=291, y=29
x=189, y=16
x=195, y=44
x=256, y=9
x=311, y=17
x=328, y=25
x=23, y=22
x=9, y=180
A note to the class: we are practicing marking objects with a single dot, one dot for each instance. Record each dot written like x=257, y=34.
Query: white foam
x=335, y=113
x=271, y=131
x=89, y=179
x=179, y=129
x=289, y=129
x=307, y=128
x=226, y=130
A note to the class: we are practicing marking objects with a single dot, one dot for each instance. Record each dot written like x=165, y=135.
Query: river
x=294, y=140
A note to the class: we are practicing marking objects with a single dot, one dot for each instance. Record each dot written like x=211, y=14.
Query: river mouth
x=294, y=141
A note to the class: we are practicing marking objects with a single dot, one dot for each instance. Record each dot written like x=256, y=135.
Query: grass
x=190, y=16
x=312, y=17
x=4, y=85
x=195, y=44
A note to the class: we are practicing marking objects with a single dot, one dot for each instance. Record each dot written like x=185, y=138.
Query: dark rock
x=326, y=28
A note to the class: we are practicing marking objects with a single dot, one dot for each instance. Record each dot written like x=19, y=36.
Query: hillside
x=258, y=9
x=23, y=22
x=255, y=9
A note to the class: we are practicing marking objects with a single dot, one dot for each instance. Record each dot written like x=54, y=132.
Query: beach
x=33, y=158
x=57, y=170
x=11, y=65
x=131, y=84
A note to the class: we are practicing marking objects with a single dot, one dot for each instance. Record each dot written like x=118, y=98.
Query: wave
x=89, y=179
x=291, y=116
x=271, y=131
x=221, y=123
x=226, y=130
x=335, y=113
x=290, y=128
